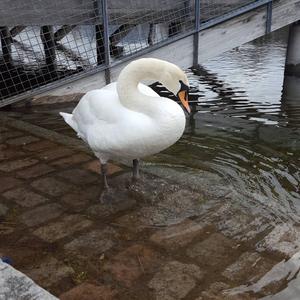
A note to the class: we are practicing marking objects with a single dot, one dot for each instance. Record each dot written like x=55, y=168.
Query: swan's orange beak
x=183, y=96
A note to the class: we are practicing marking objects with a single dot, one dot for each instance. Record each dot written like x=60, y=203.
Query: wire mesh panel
x=44, y=43
x=214, y=8
x=150, y=22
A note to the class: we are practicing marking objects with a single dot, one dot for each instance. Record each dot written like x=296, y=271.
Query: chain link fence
x=47, y=42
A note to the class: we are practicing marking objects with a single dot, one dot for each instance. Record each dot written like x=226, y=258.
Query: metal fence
x=47, y=43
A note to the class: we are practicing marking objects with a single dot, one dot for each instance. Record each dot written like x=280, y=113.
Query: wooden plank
x=230, y=34
x=285, y=12
x=95, y=81
x=62, y=32
x=16, y=30
x=179, y=53
x=70, y=12
x=245, y=28
x=73, y=12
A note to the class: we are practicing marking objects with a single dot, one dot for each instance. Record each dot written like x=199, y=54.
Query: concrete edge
x=16, y=285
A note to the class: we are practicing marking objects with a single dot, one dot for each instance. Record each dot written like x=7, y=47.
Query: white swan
x=128, y=119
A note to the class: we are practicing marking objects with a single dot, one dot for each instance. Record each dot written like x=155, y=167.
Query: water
x=245, y=127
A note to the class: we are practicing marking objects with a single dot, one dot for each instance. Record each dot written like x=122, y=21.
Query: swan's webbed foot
x=108, y=195
x=138, y=180
x=135, y=170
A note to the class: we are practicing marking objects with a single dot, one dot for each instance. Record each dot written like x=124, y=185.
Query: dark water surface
x=245, y=126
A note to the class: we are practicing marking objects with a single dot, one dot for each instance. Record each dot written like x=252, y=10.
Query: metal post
x=6, y=47
x=100, y=44
x=106, y=40
x=47, y=38
x=269, y=18
x=292, y=62
x=196, y=34
x=151, y=34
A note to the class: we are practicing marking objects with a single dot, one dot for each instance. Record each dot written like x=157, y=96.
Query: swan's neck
x=128, y=81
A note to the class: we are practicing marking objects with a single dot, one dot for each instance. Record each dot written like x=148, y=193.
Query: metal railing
x=47, y=44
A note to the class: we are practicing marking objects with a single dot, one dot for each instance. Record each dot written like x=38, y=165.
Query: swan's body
x=116, y=132
x=127, y=119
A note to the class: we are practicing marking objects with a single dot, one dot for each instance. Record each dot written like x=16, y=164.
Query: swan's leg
x=104, y=173
x=135, y=173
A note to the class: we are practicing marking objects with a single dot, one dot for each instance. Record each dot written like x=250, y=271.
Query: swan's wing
x=103, y=105
x=97, y=108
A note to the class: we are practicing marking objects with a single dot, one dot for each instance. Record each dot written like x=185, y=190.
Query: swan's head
x=175, y=80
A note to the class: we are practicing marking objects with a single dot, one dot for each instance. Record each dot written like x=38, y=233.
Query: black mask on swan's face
x=183, y=96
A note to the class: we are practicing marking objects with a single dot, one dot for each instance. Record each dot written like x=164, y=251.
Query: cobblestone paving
x=153, y=240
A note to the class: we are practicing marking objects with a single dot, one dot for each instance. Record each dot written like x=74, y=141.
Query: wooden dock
x=79, y=12
x=212, y=42
x=185, y=32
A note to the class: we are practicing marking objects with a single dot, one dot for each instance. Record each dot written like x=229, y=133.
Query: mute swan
x=127, y=119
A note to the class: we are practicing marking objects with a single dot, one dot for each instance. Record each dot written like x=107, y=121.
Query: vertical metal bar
x=100, y=44
x=47, y=38
x=196, y=34
x=151, y=34
x=6, y=46
x=269, y=18
x=106, y=40
x=102, y=37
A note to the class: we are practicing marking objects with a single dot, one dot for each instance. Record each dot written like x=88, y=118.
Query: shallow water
x=245, y=127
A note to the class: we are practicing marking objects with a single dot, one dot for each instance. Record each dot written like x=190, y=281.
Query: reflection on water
x=284, y=269
x=246, y=82
x=245, y=127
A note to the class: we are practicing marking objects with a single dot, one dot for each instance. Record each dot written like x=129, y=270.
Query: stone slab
x=24, y=197
x=15, y=285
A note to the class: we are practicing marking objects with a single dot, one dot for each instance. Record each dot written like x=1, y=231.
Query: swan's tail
x=69, y=120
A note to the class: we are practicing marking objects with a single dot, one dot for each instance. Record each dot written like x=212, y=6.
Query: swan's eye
x=183, y=86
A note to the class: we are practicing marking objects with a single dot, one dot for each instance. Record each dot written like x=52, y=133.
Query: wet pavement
x=166, y=237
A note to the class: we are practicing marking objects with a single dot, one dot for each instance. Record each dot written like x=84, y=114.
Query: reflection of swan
x=129, y=120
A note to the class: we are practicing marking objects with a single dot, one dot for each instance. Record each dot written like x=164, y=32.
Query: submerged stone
x=175, y=280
